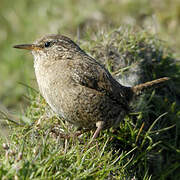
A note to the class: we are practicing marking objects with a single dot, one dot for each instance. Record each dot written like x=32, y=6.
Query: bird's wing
x=91, y=74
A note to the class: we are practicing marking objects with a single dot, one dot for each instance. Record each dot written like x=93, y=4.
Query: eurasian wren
x=77, y=87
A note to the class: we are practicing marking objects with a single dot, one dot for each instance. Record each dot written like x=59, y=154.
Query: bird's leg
x=99, y=125
x=68, y=136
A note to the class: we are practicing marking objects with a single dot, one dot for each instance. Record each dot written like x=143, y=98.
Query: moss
x=146, y=144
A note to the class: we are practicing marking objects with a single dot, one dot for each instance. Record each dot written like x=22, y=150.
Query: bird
x=77, y=87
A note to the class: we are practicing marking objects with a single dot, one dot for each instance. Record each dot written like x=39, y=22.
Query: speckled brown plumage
x=77, y=87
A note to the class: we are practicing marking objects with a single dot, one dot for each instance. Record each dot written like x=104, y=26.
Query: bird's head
x=51, y=47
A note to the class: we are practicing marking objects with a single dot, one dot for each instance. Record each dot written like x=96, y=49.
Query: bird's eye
x=47, y=44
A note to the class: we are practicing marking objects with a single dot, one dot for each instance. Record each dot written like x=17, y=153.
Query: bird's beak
x=27, y=46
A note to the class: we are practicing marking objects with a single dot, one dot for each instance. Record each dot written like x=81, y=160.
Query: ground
x=137, y=41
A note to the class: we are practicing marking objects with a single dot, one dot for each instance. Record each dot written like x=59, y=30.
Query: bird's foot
x=68, y=136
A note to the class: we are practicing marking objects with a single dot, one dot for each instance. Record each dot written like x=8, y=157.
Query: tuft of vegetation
x=144, y=146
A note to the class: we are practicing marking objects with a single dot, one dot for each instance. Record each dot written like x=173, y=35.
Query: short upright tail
x=138, y=88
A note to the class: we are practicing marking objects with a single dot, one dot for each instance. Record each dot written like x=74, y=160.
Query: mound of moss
x=144, y=146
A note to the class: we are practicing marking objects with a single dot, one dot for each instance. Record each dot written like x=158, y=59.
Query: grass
x=137, y=41
x=144, y=146
x=24, y=21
